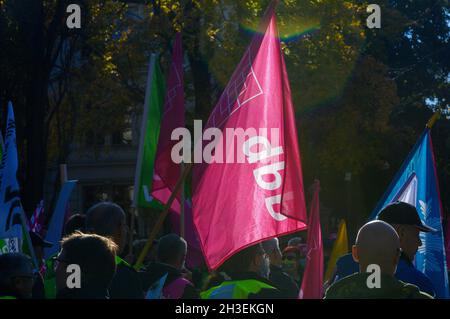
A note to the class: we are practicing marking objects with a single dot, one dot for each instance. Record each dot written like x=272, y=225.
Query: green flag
x=153, y=105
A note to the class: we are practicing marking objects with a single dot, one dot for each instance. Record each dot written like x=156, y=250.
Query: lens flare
x=290, y=31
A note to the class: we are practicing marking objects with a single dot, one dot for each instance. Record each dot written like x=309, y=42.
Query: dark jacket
x=406, y=272
x=38, y=287
x=355, y=287
x=264, y=293
x=126, y=283
x=157, y=270
x=283, y=282
x=83, y=293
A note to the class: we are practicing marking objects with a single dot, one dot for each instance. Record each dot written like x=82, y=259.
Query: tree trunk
x=36, y=102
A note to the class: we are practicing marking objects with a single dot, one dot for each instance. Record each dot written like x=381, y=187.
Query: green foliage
x=360, y=95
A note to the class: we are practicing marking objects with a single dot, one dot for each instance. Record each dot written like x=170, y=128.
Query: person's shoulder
x=190, y=292
x=126, y=268
x=267, y=290
x=411, y=291
x=410, y=274
x=345, y=259
x=126, y=283
x=336, y=290
x=407, y=268
x=268, y=293
x=285, y=284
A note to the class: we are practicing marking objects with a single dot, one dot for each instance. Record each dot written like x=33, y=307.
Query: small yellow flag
x=340, y=248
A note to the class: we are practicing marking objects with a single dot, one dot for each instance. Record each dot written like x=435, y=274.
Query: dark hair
x=11, y=265
x=170, y=248
x=74, y=223
x=104, y=218
x=94, y=254
x=242, y=260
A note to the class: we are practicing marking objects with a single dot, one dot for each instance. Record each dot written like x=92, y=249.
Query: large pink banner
x=252, y=190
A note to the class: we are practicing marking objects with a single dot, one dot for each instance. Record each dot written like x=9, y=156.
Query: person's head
x=16, y=275
x=406, y=221
x=172, y=250
x=108, y=219
x=94, y=254
x=291, y=260
x=251, y=259
x=295, y=241
x=138, y=246
x=377, y=243
x=74, y=223
x=272, y=249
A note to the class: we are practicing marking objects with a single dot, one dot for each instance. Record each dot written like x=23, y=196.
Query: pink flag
x=313, y=276
x=37, y=219
x=166, y=172
x=194, y=257
x=245, y=193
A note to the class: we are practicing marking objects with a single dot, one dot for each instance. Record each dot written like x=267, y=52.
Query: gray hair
x=271, y=245
x=104, y=218
x=170, y=248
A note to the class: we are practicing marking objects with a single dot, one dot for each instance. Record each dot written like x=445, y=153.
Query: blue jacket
x=406, y=272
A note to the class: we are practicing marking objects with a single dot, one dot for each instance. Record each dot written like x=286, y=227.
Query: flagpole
x=433, y=120
x=27, y=237
x=162, y=217
x=182, y=213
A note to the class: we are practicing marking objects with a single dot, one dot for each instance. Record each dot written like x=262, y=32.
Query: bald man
x=377, y=250
x=408, y=225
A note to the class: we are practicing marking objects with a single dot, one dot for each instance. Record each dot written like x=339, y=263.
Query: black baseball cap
x=403, y=214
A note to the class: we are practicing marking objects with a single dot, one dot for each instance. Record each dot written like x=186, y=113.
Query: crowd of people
x=97, y=241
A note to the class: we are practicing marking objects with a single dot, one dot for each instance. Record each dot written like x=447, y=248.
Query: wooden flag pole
x=162, y=217
x=433, y=119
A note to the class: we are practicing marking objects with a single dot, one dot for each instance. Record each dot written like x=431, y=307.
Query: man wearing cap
x=406, y=222
x=377, y=243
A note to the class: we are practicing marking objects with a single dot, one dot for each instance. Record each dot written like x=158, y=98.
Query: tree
x=362, y=96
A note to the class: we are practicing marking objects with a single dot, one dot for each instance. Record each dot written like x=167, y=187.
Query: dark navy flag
x=416, y=183
x=10, y=206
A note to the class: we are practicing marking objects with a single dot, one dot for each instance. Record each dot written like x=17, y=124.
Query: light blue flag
x=55, y=228
x=416, y=183
x=10, y=206
x=155, y=291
